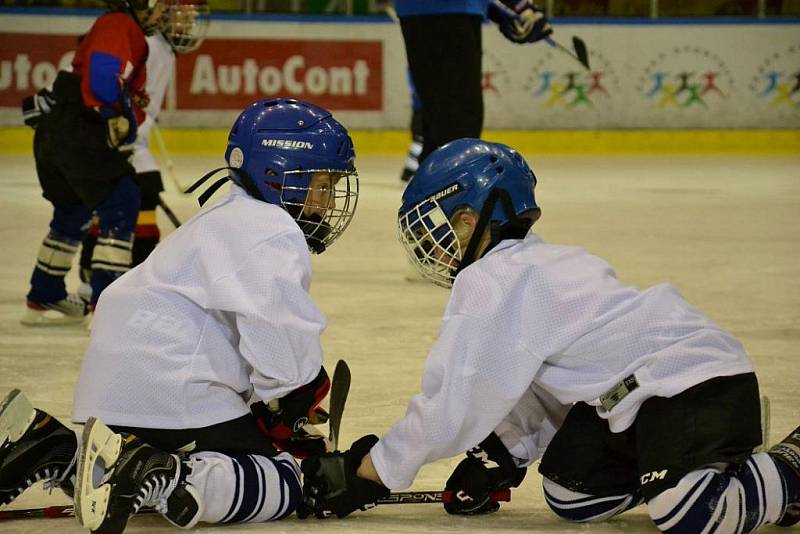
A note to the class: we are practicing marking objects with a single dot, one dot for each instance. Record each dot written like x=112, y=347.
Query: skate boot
x=788, y=452
x=33, y=446
x=134, y=475
x=70, y=310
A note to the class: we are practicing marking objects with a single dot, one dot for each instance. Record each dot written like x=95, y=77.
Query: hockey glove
x=332, y=487
x=34, y=106
x=487, y=468
x=118, y=131
x=520, y=21
x=282, y=421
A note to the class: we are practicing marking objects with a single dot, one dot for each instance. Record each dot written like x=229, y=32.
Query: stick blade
x=581, y=51
x=340, y=387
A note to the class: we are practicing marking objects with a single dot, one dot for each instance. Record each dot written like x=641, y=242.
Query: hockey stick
x=581, y=54
x=403, y=497
x=340, y=387
x=162, y=148
x=169, y=213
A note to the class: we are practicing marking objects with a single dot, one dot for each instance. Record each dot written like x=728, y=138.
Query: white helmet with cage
x=185, y=24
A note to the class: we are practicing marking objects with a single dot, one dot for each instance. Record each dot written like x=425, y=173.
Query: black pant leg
x=444, y=56
x=239, y=435
x=586, y=457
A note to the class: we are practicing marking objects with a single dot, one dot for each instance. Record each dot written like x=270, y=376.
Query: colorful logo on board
x=556, y=81
x=685, y=77
x=776, y=82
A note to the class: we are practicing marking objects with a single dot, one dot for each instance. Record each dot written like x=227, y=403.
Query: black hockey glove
x=34, y=106
x=488, y=468
x=520, y=21
x=331, y=486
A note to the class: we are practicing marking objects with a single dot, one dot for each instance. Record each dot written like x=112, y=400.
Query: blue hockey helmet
x=491, y=179
x=297, y=156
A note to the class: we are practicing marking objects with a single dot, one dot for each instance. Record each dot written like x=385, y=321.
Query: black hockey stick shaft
x=429, y=497
x=580, y=55
x=340, y=388
x=403, y=497
x=169, y=213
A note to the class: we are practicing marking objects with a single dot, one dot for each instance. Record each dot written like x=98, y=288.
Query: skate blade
x=99, y=443
x=49, y=318
x=16, y=416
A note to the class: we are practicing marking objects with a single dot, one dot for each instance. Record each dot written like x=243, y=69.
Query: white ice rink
x=724, y=230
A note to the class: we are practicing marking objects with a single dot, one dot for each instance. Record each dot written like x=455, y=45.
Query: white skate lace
x=155, y=491
x=52, y=480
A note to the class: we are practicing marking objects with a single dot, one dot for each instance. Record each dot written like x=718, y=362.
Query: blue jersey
x=407, y=8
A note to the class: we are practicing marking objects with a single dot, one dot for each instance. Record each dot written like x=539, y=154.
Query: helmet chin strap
x=515, y=228
x=247, y=183
x=314, y=228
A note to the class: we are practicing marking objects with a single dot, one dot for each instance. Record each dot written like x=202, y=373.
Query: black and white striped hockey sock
x=710, y=500
x=582, y=507
x=241, y=488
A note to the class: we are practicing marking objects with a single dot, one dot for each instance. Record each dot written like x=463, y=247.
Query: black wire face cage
x=329, y=200
x=430, y=242
x=185, y=24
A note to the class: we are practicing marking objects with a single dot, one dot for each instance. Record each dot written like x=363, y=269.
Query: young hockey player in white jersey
x=185, y=26
x=185, y=23
x=628, y=396
x=217, y=317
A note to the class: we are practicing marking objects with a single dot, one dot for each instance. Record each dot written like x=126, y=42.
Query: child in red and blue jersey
x=90, y=113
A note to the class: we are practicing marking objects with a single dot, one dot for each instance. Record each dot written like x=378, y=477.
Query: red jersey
x=110, y=58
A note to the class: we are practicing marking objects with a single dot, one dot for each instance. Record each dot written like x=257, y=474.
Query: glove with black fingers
x=488, y=468
x=332, y=487
x=520, y=21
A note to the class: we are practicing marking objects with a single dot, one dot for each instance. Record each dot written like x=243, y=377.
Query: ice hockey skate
x=133, y=474
x=33, y=446
x=70, y=310
x=788, y=452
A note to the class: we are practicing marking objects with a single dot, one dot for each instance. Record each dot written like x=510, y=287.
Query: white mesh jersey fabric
x=220, y=309
x=160, y=66
x=532, y=328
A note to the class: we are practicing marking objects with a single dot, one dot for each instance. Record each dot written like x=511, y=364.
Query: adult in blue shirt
x=443, y=47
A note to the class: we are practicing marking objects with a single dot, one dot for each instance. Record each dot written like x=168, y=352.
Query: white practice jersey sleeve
x=160, y=68
x=218, y=312
x=532, y=328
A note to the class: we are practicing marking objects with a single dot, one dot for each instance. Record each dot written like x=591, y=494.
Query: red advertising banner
x=231, y=73
x=29, y=62
x=224, y=73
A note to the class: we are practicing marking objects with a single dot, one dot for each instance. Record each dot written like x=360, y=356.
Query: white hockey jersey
x=220, y=310
x=532, y=328
x=160, y=67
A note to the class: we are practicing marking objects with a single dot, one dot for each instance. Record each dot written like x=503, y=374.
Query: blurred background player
x=217, y=317
x=415, y=148
x=630, y=396
x=444, y=47
x=184, y=27
x=91, y=112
